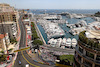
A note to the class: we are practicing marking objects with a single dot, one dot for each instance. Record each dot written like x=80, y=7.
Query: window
x=79, y=58
x=80, y=49
x=87, y=64
x=97, y=65
x=77, y=64
x=98, y=57
x=89, y=54
x=0, y=40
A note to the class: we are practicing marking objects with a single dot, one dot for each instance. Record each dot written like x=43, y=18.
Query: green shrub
x=2, y=51
x=2, y=58
x=10, y=49
x=13, y=40
x=37, y=42
x=90, y=42
x=67, y=58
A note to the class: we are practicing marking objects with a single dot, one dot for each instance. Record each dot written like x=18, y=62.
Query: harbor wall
x=39, y=33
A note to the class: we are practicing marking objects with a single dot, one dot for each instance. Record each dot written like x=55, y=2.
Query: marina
x=51, y=29
x=42, y=25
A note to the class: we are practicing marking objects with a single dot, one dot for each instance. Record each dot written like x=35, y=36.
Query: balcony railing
x=87, y=65
x=86, y=57
x=87, y=46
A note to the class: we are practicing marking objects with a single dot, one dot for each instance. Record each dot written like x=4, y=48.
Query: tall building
x=87, y=53
x=8, y=20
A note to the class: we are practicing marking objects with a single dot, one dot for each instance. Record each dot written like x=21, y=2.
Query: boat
x=68, y=42
x=64, y=42
x=74, y=42
x=52, y=42
x=59, y=41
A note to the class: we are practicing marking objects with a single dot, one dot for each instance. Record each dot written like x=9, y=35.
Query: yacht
x=59, y=41
x=52, y=30
x=52, y=42
x=74, y=42
x=68, y=42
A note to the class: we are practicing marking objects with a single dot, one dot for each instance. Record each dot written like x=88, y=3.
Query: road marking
x=28, y=61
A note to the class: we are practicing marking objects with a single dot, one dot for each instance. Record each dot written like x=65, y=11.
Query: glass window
x=79, y=58
x=97, y=65
x=80, y=49
x=89, y=54
x=98, y=57
x=87, y=64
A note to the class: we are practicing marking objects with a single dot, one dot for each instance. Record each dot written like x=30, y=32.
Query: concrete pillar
x=93, y=65
x=84, y=52
x=81, y=60
x=95, y=55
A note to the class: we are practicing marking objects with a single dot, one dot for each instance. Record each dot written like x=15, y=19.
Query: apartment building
x=9, y=20
x=87, y=53
x=4, y=42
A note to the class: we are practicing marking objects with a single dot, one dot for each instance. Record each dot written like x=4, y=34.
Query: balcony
x=76, y=58
x=91, y=43
x=86, y=65
x=88, y=46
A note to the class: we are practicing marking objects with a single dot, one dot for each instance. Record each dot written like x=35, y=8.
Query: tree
x=35, y=36
x=13, y=40
x=37, y=42
x=2, y=51
x=67, y=58
x=2, y=58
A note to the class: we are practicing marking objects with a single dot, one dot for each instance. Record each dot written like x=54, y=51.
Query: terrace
x=91, y=43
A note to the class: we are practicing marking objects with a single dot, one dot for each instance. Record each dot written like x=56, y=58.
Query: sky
x=53, y=4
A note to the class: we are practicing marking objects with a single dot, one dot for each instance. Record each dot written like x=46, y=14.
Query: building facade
x=87, y=53
x=4, y=42
x=9, y=20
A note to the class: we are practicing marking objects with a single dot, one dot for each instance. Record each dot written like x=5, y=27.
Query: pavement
x=23, y=56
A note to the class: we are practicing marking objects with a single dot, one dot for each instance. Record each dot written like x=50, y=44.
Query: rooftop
x=6, y=8
x=92, y=34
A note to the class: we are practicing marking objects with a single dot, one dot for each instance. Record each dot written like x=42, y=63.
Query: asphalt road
x=23, y=56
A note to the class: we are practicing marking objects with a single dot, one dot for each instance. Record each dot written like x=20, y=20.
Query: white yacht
x=64, y=42
x=52, y=42
x=74, y=42
x=68, y=42
x=59, y=41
